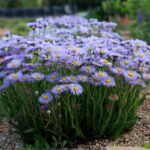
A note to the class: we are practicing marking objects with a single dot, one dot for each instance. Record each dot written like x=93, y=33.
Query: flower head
x=45, y=98
x=37, y=76
x=108, y=81
x=76, y=89
x=88, y=69
x=15, y=63
x=58, y=89
x=53, y=77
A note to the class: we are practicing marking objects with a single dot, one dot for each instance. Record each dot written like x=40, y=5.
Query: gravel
x=139, y=135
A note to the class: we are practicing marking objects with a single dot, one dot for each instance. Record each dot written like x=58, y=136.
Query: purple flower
x=72, y=78
x=58, y=89
x=131, y=75
x=108, y=81
x=25, y=78
x=105, y=62
x=88, y=69
x=138, y=82
x=117, y=70
x=76, y=89
x=76, y=62
x=82, y=78
x=53, y=77
x=146, y=76
x=95, y=80
x=126, y=63
x=101, y=74
x=15, y=63
x=45, y=98
x=143, y=69
x=13, y=77
x=37, y=76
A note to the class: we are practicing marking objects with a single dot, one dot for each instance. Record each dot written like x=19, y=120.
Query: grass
x=15, y=25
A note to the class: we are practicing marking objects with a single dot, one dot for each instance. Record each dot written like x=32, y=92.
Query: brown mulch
x=138, y=136
x=2, y=31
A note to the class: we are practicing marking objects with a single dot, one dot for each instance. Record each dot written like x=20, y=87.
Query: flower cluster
x=65, y=53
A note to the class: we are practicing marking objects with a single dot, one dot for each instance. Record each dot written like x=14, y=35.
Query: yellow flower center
x=88, y=68
x=64, y=59
x=67, y=86
x=100, y=74
x=82, y=78
x=38, y=77
x=24, y=78
x=76, y=88
x=53, y=77
x=119, y=70
x=107, y=81
x=72, y=78
x=141, y=55
x=95, y=79
x=64, y=78
x=117, y=49
x=58, y=55
x=105, y=61
x=143, y=69
x=126, y=62
x=102, y=51
x=45, y=97
x=75, y=62
x=14, y=76
x=14, y=64
x=130, y=74
x=75, y=49
x=58, y=89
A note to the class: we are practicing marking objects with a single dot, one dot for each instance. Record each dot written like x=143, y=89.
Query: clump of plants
x=72, y=79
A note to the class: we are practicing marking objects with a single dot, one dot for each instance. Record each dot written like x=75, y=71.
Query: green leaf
x=147, y=146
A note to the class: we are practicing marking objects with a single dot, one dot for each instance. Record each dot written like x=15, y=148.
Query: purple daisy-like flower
x=146, y=76
x=76, y=89
x=15, y=63
x=58, y=89
x=72, y=78
x=24, y=78
x=88, y=69
x=101, y=74
x=76, y=62
x=13, y=77
x=82, y=78
x=126, y=63
x=45, y=98
x=95, y=80
x=131, y=75
x=53, y=77
x=105, y=62
x=138, y=82
x=117, y=70
x=108, y=81
x=64, y=79
x=37, y=76
x=143, y=69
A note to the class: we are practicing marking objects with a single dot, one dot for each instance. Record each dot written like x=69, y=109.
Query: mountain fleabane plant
x=72, y=79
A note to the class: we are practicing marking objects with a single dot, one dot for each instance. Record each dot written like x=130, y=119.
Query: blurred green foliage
x=20, y=3
x=38, y=3
x=16, y=25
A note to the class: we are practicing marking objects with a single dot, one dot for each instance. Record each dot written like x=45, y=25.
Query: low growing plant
x=72, y=79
